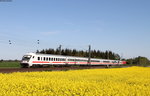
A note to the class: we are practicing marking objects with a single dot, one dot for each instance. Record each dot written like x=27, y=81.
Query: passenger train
x=36, y=59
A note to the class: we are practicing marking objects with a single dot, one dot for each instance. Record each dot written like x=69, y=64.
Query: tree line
x=139, y=61
x=81, y=53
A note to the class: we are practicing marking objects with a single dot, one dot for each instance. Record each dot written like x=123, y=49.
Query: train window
x=95, y=61
x=114, y=61
x=49, y=59
x=81, y=60
x=38, y=58
x=54, y=59
x=63, y=59
x=44, y=58
x=70, y=59
x=106, y=61
x=85, y=60
x=41, y=58
x=33, y=57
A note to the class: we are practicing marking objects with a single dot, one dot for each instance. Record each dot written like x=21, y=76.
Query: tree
x=37, y=51
x=81, y=53
x=1, y=60
x=57, y=51
x=74, y=51
x=140, y=61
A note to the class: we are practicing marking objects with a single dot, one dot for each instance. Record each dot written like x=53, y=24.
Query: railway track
x=11, y=70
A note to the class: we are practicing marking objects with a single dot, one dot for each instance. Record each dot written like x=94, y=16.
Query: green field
x=10, y=64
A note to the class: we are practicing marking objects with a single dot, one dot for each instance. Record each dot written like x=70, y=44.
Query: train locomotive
x=36, y=59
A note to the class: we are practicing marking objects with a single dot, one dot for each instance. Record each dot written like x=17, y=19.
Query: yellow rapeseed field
x=132, y=81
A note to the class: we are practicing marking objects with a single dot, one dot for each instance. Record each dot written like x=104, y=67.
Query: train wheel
x=25, y=66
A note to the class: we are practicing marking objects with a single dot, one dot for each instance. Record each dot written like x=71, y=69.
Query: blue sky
x=122, y=26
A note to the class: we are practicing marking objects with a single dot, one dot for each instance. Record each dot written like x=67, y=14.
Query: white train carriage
x=33, y=59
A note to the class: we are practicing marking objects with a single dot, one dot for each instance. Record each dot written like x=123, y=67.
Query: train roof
x=63, y=56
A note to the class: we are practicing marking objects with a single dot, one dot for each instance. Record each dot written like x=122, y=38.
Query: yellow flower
x=132, y=81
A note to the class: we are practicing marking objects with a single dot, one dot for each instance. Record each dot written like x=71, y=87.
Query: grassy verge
x=12, y=64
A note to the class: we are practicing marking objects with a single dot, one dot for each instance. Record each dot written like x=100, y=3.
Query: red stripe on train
x=74, y=62
x=39, y=62
x=45, y=62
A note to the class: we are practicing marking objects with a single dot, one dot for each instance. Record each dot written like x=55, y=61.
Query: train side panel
x=33, y=59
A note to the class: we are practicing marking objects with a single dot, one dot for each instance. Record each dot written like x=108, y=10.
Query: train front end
x=26, y=61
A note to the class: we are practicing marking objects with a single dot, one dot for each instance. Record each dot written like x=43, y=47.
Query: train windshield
x=26, y=57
